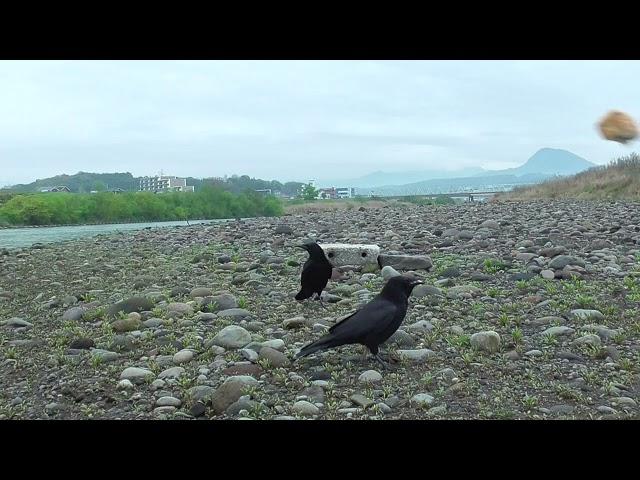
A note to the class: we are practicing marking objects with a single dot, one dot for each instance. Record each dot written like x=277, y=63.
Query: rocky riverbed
x=529, y=310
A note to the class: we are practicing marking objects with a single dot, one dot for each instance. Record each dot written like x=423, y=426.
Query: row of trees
x=84, y=182
x=242, y=183
x=67, y=208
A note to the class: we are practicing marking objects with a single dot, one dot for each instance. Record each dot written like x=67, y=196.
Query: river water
x=24, y=237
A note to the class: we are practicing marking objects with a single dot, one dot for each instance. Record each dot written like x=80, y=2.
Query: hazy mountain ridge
x=380, y=177
x=451, y=185
x=544, y=164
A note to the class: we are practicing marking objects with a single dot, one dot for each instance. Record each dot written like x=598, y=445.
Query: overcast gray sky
x=295, y=120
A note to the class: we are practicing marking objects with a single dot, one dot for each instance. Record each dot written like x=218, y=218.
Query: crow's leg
x=384, y=364
x=376, y=354
x=322, y=303
x=318, y=297
x=303, y=304
x=365, y=354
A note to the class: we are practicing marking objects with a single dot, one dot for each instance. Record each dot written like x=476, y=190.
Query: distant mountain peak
x=555, y=160
x=550, y=161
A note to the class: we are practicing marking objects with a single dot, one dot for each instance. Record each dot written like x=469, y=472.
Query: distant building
x=269, y=191
x=336, y=192
x=60, y=188
x=327, y=193
x=346, y=192
x=115, y=190
x=164, y=183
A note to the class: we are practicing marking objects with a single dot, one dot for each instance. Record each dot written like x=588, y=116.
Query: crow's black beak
x=417, y=282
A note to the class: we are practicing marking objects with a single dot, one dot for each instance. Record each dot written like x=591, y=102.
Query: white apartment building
x=164, y=183
x=345, y=192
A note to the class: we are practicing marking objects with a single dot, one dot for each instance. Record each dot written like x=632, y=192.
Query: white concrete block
x=341, y=254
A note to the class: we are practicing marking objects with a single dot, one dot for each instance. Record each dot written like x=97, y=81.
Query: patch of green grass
x=370, y=268
x=517, y=335
x=11, y=412
x=478, y=308
x=468, y=357
x=493, y=292
x=211, y=307
x=387, y=391
x=592, y=351
x=608, y=387
x=250, y=390
x=427, y=379
x=574, y=286
x=191, y=340
x=258, y=411
x=609, y=310
x=551, y=287
x=59, y=339
x=530, y=401
x=590, y=377
x=94, y=314
x=242, y=302
x=265, y=363
x=503, y=413
x=369, y=285
x=631, y=283
x=167, y=349
x=431, y=338
x=626, y=364
x=88, y=410
x=537, y=282
x=89, y=297
x=460, y=341
x=185, y=382
x=445, y=262
x=279, y=376
x=584, y=301
x=96, y=361
x=504, y=319
x=568, y=393
x=619, y=338
x=493, y=266
x=10, y=353
x=154, y=366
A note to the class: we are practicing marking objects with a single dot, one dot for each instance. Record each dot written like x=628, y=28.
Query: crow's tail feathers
x=323, y=343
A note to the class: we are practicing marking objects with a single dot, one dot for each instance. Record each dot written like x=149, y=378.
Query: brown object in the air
x=619, y=127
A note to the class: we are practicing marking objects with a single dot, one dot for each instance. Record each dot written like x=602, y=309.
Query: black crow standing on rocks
x=374, y=323
x=316, y=272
